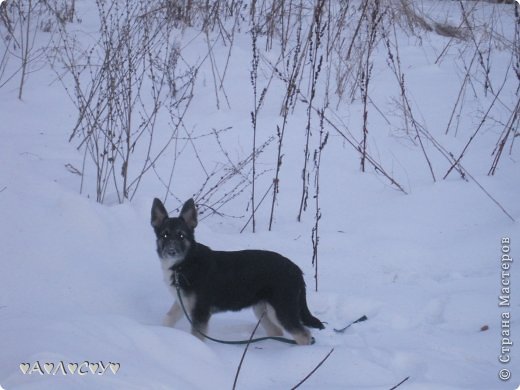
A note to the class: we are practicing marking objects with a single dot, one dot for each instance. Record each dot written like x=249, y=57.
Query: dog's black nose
x=171, y=252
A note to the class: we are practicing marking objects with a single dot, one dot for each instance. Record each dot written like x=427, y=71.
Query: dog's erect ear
x=159, y=213
x=189, y=214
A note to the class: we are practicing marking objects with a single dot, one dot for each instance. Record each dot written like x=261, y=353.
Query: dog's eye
x=165, y=234
x=180, y=235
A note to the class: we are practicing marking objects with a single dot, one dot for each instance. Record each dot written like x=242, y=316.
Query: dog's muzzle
x=170, y=251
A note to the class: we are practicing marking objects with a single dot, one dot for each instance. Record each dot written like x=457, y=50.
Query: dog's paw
x=303, y=338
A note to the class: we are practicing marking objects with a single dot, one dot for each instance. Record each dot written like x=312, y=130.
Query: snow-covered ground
x=80, y=281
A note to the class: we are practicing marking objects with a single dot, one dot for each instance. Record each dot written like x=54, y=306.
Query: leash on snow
x=360, y=319
x=249, y=341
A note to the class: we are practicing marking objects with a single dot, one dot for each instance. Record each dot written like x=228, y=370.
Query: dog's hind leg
x=289, y=318
x=267, y=320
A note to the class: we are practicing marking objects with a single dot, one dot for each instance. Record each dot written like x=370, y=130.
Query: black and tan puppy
x=213, y=281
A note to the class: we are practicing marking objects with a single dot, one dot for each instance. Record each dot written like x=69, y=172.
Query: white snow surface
x=81, y=281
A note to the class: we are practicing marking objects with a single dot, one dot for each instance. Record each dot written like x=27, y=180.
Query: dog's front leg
x=173, y=315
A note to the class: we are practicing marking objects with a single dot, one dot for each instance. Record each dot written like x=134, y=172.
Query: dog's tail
x=307, y=318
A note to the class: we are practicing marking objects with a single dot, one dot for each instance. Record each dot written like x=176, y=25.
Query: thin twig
x=482, y=121
x=369, y=159
x=400, y=383
x=314, y=370
x=508, y=130
x=488, y=194
x=245, y=350
x=72, y=169
x=462, y=171
x=257, y=206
